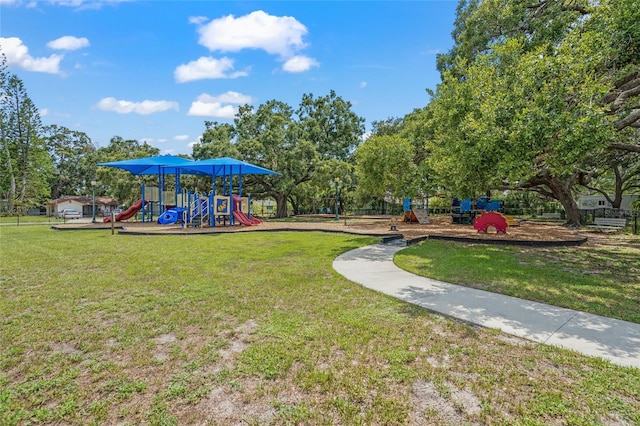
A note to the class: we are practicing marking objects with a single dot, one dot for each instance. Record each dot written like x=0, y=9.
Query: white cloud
x=229, y=97
x=68, y=43
x=77, y=4
x=277, y=35
x=86, y=4
x=213, y=109
x=207, y=67
x=193, y=143
x=127, y=107
x=198, y=20
x=18, y=54
x=299, y=63
x=181, y=137
x=221, y=106
x=68, y=3
x=44, y=112
x=363, y=84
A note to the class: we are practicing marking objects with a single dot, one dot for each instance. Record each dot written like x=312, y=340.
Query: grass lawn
x=257, y=328
x=602, y=279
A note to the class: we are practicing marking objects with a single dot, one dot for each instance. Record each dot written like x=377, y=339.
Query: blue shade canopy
x=167, y=164
x=224, y=166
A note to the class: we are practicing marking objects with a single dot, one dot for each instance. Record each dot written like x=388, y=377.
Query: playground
x=438, y=226
x=223, y=205
x=226, y=209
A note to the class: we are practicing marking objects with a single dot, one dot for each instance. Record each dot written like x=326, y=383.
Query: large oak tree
x=535, y=94
x=73, y=155
x=302, y=145
x=119, y=183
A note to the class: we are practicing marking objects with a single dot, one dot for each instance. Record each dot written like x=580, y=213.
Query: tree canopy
x=118, y=183
x=26, y=166
x=385, y=167
x=390, y=163
x=534, y=95
x=74, y=160
x=299, y=144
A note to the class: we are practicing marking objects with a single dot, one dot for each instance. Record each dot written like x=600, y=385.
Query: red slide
x=243, y=219
x=254, y=220
x=127, y=214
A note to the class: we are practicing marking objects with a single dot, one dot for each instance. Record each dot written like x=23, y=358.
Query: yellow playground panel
x=222, y=205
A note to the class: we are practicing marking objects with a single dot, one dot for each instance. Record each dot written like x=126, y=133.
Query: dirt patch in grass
x=239, y=402
x=162, y=342
x=430, y=407
x=65, y=348
x=238, y=341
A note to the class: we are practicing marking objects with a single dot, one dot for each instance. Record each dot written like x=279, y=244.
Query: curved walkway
x=612, y=339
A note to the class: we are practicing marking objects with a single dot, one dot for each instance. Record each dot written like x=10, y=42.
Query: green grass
x=602, y=280
x=257, y=328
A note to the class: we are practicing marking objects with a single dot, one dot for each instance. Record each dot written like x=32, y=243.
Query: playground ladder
x=204, y=210
x=199, y=209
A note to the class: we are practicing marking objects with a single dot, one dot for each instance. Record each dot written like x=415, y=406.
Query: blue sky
x=155, y=71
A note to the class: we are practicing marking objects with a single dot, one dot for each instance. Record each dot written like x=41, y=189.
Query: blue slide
x=171, y=216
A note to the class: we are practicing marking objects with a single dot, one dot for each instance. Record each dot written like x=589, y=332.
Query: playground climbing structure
x=465, y=211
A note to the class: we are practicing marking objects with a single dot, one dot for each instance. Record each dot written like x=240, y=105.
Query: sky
x=156, y=71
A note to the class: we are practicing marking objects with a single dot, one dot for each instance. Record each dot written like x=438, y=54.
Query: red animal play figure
x=491, y=219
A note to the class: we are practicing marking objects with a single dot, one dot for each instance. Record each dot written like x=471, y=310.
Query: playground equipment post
x=337, y=181
x=93, y=206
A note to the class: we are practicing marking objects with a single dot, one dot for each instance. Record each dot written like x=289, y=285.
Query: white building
x=84, y=204
x=591, y=202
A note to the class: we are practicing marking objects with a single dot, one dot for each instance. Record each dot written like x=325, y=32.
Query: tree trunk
x=561, y=190
x=617, y=197
x=295, y=205
x=12, y=178
x=282, y=209
x=23, y=187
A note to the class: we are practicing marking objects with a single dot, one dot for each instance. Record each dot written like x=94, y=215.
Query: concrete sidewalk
x=611, y=339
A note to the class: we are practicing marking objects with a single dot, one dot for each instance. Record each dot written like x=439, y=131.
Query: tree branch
x=604, y=193
x=625, y=147
x=629, y=121
x=542, y=191
x=575, y=8
x=621, y=95
x=627, y=78
x=536, y=184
